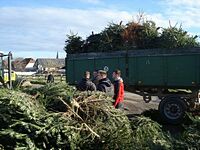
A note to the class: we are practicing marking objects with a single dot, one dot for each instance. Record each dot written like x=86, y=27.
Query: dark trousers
x=120, y=106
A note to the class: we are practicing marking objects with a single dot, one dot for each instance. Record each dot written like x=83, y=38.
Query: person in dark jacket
x=50, y=78
x=86, y=84
x=95, y=79
x=105, y=84
x=118, y=89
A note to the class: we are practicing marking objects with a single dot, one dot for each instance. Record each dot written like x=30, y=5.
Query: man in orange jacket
x=118, y=89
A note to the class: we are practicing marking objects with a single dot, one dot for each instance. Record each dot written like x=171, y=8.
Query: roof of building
x=50, y=62
x=20, y=65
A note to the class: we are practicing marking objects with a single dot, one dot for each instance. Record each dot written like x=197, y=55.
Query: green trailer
x=172, y=75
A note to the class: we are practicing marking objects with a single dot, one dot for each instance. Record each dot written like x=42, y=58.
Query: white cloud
x=46, y=28
x=187, y=3
x=160, y=20
x=185, y=12
x=92, y=1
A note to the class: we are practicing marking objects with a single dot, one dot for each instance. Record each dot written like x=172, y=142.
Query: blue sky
x=38, y=28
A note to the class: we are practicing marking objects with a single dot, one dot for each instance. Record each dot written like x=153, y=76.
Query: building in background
x=23, y=65
x=49, y=64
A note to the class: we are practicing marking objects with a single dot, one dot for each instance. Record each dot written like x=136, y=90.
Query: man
x=118, y=89
x=105, y=84
x=50, y=78
x=86, y=84
x=95, y=79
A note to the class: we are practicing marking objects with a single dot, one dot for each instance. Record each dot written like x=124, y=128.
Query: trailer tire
x=172, y=109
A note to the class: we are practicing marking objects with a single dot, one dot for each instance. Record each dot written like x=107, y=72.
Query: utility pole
x=57, y=56
x=10, y=70
x=2, y=68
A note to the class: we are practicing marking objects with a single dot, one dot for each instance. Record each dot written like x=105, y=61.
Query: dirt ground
x=136, y=104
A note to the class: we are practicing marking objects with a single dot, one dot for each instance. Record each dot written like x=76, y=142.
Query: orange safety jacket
x=118, y=91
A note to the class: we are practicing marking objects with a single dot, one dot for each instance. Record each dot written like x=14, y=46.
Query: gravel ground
x=136, y=104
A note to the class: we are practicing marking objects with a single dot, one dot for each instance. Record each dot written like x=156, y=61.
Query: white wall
x=29, y=65
x=25, y=73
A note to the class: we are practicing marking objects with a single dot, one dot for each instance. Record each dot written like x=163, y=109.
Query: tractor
x=7, y=76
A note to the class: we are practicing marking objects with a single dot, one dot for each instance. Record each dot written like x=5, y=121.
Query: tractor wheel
x=172, y=109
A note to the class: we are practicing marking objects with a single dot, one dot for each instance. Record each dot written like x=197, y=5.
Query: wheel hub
x=172, y=111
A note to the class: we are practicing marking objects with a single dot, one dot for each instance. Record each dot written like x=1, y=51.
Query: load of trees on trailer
x=140, y=34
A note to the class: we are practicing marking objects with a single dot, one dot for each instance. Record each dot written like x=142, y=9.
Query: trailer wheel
x=172, y=109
